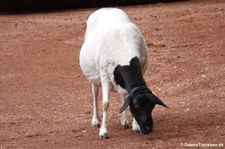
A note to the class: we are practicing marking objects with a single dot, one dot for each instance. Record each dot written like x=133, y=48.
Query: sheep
x=114, y=57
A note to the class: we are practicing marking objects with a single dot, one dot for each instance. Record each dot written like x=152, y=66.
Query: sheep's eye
x=137, y=105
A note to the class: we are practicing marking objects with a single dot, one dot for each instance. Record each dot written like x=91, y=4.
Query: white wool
x=110, y=39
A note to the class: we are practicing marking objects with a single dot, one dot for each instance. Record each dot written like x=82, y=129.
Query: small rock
x=187, y=110
x=203, y=76
x=74, y=131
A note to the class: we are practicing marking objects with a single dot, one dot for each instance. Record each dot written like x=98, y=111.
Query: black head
x=142, y=102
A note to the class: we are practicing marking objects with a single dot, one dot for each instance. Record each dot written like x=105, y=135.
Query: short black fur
x=129, y=76
x=140, y=99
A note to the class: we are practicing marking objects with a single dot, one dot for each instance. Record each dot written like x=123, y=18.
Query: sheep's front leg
x=135, y=127
x=106, y=87
x=95, y=118
x=124, y=119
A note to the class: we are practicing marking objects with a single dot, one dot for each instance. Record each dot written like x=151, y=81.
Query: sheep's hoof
x=135, y=127
x=96, y=125
x=104, y=136
x=136, y=131
x=125, y=126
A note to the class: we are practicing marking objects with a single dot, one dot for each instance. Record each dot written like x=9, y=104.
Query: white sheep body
x=111, y=39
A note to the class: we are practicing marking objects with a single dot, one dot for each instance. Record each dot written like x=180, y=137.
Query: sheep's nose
x=148, y=129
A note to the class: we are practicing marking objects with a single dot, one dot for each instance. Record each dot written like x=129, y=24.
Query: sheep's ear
x=135, y=64
x=136, y=67
x=126, y=104
x=159, y=102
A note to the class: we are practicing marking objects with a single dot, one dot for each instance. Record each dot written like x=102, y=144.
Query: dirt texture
x=46, y=102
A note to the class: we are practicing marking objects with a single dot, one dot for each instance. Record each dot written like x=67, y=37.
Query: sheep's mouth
x=146, y=129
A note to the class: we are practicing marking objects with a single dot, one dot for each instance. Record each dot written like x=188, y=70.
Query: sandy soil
x=45, y=101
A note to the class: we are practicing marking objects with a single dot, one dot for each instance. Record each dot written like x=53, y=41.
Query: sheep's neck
x=129, y=76
x=129, y=79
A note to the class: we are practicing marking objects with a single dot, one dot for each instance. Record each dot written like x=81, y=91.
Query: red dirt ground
x=46, y=102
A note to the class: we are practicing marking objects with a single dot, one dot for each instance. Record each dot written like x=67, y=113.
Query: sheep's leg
x=124, y=120
x=106, y=87
x=135, y=126
x=95, y=118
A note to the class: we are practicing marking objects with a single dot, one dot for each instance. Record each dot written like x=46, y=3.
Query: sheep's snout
x=146, y=128
x=143, y=117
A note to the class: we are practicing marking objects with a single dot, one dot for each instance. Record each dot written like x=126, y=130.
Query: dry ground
x=45, y=101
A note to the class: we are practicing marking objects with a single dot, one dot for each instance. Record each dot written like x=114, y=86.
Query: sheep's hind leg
x=95, y=118
x=124, y=119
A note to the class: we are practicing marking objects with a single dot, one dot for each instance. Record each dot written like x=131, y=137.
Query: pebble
x=203, y=76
